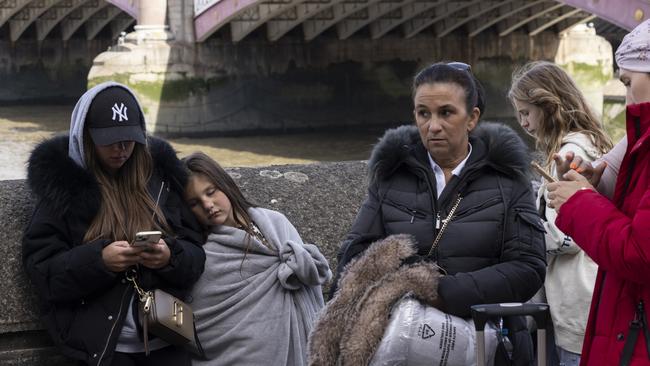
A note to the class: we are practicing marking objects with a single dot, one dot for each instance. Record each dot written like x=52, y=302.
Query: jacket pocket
x=411, y=213
x=529, y=226
x=470, y=210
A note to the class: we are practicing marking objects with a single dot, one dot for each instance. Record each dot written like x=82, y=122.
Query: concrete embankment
x=321, y=200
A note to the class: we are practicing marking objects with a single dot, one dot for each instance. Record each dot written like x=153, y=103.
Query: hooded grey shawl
x=258, y=311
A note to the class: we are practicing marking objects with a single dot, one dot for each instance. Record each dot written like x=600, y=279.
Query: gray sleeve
x=613, y=159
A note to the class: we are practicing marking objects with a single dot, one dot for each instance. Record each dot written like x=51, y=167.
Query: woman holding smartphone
x=97, y=188
x=616, y=233
x=550, y=107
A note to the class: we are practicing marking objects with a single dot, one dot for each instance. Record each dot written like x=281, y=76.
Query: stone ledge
x=321, y=200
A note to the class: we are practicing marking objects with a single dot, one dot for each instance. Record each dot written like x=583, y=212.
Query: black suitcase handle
x=482, y=313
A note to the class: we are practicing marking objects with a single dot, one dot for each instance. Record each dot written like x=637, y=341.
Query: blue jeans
x=568, y=358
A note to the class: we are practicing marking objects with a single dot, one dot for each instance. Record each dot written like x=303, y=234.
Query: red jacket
x=616, y=235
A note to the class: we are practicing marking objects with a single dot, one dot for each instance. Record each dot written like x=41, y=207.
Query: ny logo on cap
x=119, y=112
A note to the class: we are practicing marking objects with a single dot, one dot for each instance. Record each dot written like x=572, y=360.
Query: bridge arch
x=411, y=17
x=70, y=15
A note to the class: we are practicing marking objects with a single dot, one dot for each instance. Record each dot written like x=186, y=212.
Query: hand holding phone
x=146, y=238
x=542, y=172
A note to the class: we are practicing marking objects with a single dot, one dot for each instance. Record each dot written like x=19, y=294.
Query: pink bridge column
x=152, y=12
x=152, y=22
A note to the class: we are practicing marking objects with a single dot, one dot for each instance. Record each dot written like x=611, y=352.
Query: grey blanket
x=256, y=305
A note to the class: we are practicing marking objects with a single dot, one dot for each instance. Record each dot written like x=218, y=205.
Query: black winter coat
x=83, y=304
x=493, y=248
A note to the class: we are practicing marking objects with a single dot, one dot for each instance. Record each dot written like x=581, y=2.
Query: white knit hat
x=634, y=52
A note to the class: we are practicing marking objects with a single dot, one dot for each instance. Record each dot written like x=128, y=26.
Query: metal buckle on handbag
x=178, y=314
x=146, y=299
x=164, y=315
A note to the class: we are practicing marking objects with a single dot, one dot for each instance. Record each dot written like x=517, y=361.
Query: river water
x=22, y=127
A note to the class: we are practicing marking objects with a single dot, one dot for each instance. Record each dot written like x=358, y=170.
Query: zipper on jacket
x=119, y=314
x=637, y=324
x=414, y=213
x=418, y=214
x=434, y=200
x=644, y=323
x=640, y=319
x=434, y=205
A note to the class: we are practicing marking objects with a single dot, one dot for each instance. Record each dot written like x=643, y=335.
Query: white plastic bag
x=418, y=334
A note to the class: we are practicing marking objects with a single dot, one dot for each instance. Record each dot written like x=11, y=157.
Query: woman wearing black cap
x=96, y=188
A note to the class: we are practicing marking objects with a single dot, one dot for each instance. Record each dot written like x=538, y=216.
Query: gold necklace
x=257, y=233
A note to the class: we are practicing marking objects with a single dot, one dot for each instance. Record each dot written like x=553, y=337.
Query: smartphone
x=146, y=238
x=542, y=172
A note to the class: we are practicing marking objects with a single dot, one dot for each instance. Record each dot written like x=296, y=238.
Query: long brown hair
x=126, y=205
x=200, y=163
x=563, y=106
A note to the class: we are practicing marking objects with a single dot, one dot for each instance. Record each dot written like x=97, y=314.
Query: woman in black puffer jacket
x=96, y=189
x=492, y=250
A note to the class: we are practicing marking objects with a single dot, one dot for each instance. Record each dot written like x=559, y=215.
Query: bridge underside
x=238, y=19
x=63, y=19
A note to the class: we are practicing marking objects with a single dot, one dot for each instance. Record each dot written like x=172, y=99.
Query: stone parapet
x=321, y=200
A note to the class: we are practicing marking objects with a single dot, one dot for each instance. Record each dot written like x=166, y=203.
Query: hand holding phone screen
x=146, y=238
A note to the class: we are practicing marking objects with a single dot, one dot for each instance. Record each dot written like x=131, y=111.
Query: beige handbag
x=166, y=317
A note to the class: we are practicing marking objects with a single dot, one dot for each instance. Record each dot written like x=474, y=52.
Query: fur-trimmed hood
x=494, y=145
x=60, y=182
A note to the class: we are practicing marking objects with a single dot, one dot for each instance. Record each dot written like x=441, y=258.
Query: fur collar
x=494, y=145
x=64, y=185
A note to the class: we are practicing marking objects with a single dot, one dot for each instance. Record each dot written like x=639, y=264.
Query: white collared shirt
x=440, y=175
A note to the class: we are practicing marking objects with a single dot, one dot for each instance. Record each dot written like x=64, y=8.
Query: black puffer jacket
x=492, y=250
x=83, y=303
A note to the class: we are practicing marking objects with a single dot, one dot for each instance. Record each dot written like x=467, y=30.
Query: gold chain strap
x=445, y=222
x=145, y=297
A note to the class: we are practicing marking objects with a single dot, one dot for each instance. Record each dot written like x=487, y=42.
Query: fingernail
x=573, y=165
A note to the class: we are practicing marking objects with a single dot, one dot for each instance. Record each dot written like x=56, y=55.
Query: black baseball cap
x=114, y=116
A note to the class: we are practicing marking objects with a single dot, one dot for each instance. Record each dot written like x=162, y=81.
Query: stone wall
x=48, y=71
x=321, y=200
x=217, y=87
